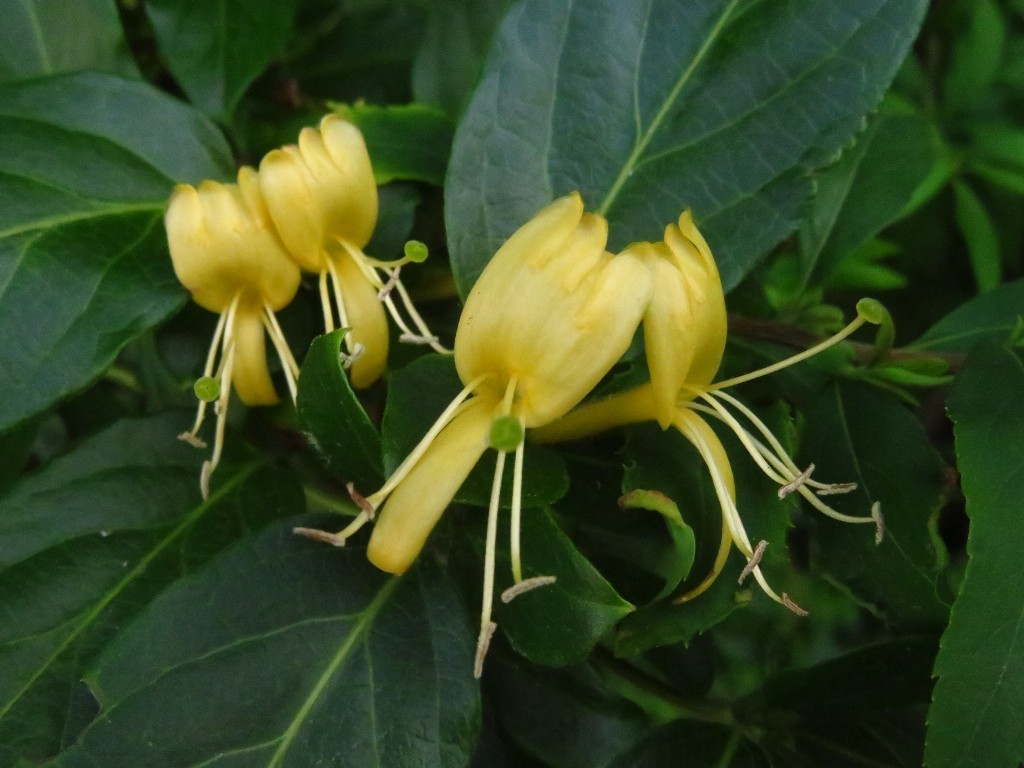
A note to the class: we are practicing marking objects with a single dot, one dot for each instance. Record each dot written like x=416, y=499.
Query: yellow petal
x=367, y=322
x=220, y=247
x=551, y=309
x=250, y=377
x=630, y=407
x=415, y=506
x=291, y=201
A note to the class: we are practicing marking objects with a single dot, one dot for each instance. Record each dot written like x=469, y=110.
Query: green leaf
x=976, y=55
x=868, y=189
x=855, y=433
x=566, y=719
x=216, y=48
x=674, y=564
x=979, y=232
x=90, y=539
x=560, y=623
x=991, y=317
x=450, y=56
x=650, y=108
x=89, y=161
x=332, y=418
x=417, y=394
x=410, y=142
x=974, y=718
x=302, y=655
x=704, y=745
x=863, y=708
x=46, y=37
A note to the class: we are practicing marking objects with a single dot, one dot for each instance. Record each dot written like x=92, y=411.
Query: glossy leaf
x=416, y=397
x=993, y=317
x=332, y=418
x=559, y=623
x=855, y=433
x=973, y=719
x=451, y=55
x=311, y=653
x=409, y=142
x=867, y=189
x=83, y=258
x=979, y=231
x=46, y=37
x=679, y=101
x=216, y=48
x=92, y=537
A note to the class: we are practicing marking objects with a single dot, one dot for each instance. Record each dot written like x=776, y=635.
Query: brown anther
x=793, y=606
x=876, y=515
x=348, y=360
x=754, y=561
x=798, y=481
x=526, y=585
x=192, y=439
x=360, y=501
x=389, y=285
x=204, y=479
x=415, y=338
x=317, y=535
x=483, y=643
x=835, y=488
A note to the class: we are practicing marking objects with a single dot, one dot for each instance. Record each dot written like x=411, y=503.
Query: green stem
x=318, y=500
x=645, y=686
x=123, y=377
x=730, y=750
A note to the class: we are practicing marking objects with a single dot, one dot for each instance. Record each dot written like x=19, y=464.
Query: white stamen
x=876, y=515
x=348, y=360
x=288, y=364
x=517, y=515
x=487, y=605
x=325, y=303
x=211, y=358
x=316, y=534
x=390, y=284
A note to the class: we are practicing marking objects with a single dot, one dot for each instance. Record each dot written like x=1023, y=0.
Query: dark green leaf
x=409, y=142
x=88, y=164
x=302, y=655
x=416, y=397
x=451, y=54
x=332, y=418
x=866, y=190
x=45, y=37
x=702, y=744
x=993, y=317
x=979, y=232
x=216, y=48
x=673, y=563
x=559, y=623
x=94, y=535
x=977, y=53
x=855, y=433
x=650, y=108
x=397, y=204
x=974, y=719
x=566, y=719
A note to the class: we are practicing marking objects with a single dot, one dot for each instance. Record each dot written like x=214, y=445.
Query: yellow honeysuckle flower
x=548, y=317
x=685, y=331
x=226, y=253
x=322, y=197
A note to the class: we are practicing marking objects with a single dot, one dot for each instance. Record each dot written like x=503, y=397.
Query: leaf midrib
x=642, y=141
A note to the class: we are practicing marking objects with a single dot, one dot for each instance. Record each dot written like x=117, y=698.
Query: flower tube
x=548, y=317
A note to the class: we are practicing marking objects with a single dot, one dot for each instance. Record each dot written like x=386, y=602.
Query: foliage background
x=829, y=148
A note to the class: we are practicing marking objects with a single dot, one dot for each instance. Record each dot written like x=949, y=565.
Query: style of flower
x=322, y=198
x=226, y=253
x=551, y=313
x=684, y=333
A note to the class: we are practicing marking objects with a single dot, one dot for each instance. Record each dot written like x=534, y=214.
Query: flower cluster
x=239, y=249
x=549, y=316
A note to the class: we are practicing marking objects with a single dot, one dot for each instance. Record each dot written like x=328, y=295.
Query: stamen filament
x=211, y=358
x=338, y=298
x=516, y=518
x=418, y=320
x=284, y=354
x=856, y=323
x=406, y=466
x=325, y=302
x=489, y=563
x=221, y=408
x=526, y=585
